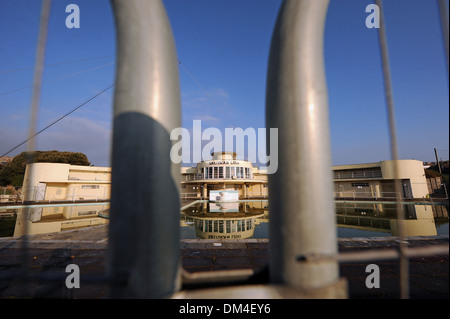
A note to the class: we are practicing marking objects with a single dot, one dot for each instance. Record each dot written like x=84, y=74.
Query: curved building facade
x=224, y=172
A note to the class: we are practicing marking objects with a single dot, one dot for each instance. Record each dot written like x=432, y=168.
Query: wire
x=193, y=79
x=59, y=78
x=34, y=111
x=59, y=63
x=443, y=11
x=404, y=262
x=60, y=118
x=208, y=95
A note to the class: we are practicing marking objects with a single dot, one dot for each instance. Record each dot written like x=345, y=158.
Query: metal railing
x=190, y=195
x=72, y=193
x=235, y=158
x=199, y=177
x=365, y=194
x=96, y=179
x=297, y=104
x=357, y=174
x=146, y=110
x=199, y=196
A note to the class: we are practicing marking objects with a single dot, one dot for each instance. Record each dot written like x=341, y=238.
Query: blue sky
x=223, y=47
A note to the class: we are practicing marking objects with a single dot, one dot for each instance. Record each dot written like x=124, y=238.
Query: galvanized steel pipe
x=144, y=227
x=302, y=216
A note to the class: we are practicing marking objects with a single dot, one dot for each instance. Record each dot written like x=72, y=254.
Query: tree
x=13, y=172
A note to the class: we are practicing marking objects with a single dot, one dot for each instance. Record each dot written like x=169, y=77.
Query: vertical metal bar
x=144, y=226
x=403, y=245
x=437, y=161
x=443, y=14
x=38, y=71
x=440, y=171
x=34, y=111
x=302, y=215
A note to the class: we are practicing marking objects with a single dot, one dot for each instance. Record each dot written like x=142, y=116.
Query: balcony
x=368, y=174
x=219, y=178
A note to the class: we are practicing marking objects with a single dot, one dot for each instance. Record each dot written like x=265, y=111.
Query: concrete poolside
x=49, y=254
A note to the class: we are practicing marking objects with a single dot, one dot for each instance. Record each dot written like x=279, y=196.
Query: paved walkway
x=50, y=254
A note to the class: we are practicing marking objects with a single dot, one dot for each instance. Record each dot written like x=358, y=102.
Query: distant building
x=373, y=180
x=63, y=182
x=376, y=180
x=225, y=172
x=55, y=181
x=5, y=160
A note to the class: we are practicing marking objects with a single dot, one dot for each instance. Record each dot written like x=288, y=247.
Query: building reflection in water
x=419, y=220
x=41, y=220
x=231, y=220
x=238, y=220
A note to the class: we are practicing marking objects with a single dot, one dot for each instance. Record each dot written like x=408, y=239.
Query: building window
x=90, y=186
x=360, y=185
x=90, y=212
x=220, y=172
x=234, y=226
x=210, y=172
x=227, y=172
x=208, y=224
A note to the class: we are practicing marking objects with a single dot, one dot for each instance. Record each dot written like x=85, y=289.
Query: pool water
x=249, y=219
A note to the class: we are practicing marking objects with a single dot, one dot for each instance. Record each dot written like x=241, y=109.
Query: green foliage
x=7, y=226
x=8, y=190
x=430, y=173
x=13, y=172
x=433, y=171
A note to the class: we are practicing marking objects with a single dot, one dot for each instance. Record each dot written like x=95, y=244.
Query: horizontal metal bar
x=378, y=254
x=221, y=276
x=55, y=205
x=444, y=203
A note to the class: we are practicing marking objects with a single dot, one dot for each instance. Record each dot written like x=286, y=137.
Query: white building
x=56, y=182
x=224, y=172
x=376, y=180
x=63, y=182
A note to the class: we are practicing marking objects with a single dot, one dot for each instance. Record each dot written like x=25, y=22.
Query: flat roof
x=353, y=166
x=224, y=152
